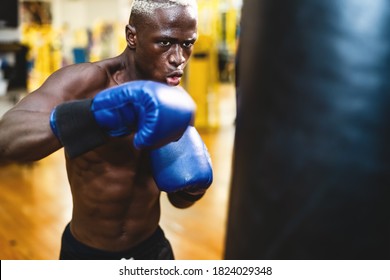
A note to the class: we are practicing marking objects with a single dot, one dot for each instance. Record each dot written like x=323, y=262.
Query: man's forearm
x=26, y=136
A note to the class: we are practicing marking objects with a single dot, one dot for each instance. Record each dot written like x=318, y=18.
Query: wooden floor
x=35, y=203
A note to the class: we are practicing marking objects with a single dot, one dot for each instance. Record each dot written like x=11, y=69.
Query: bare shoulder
x=72, y=82
x=77, y=81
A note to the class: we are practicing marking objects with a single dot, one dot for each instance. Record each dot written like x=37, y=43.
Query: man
x=110, y=120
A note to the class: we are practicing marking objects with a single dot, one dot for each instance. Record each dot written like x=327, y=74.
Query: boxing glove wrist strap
x=74, y=125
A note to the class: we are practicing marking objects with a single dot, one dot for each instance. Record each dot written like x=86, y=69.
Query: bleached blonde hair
x=147, y=7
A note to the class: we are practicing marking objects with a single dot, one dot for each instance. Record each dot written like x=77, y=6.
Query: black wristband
x=77, y=128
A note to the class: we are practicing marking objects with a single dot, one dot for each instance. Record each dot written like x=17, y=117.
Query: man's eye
x=165, y=43
x=188, y=44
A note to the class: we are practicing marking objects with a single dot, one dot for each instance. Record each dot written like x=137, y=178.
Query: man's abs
x=115, y=200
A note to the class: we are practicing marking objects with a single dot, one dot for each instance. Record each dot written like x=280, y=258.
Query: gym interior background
x=302, y=171
x=37, y=38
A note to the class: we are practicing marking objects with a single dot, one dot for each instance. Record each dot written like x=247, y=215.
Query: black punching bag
x=311, y=162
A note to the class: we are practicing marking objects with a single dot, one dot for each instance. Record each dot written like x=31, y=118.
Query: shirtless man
x=100, y=113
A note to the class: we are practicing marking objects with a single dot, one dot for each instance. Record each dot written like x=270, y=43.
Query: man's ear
x=131, y=37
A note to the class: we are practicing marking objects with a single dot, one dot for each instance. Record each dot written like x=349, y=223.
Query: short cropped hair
x=147, y=7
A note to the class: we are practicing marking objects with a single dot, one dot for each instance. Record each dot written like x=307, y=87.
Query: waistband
x=77, y=250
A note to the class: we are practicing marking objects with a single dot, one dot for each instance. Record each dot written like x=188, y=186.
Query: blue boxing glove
x=155, y=112
x=184, y=165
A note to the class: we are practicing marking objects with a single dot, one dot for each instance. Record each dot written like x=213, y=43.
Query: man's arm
x=26, y=136
x=25, y=133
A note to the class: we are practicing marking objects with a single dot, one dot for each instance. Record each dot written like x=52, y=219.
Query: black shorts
x=156, y=247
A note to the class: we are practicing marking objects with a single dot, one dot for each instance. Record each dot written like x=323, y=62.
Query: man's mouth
x=173, y=80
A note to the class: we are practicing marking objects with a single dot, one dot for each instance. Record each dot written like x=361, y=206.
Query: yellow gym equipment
x=218, y=20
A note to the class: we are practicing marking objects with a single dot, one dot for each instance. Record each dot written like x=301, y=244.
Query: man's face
x=164, y=45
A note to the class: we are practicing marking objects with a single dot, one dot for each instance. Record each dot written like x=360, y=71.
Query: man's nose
x=177, y=56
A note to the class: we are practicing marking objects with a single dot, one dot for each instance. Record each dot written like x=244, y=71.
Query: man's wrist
x=191, y=196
